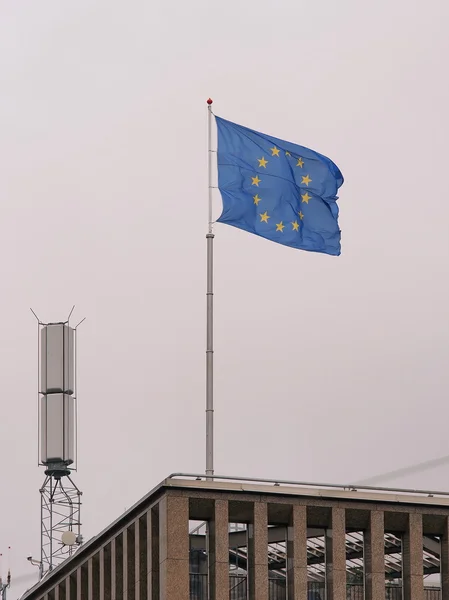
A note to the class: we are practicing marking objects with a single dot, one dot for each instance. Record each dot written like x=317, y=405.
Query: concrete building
x=230, y=539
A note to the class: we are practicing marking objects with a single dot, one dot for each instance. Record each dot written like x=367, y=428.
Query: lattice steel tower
x=60, y=497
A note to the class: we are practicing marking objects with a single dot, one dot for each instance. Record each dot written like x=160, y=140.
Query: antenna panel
x=57, y=359
x=57, y=429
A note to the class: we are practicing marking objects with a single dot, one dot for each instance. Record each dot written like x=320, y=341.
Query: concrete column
x=113, y=570
x=96, y=576
x=73, y=586
x=219, y=552
x=137, y=558
x=142, y=558
x=444, y=565
x=258, y=553
x=101, y=575
x=149, y=561
x=174, y=548
x=120, y=547
x=57, y=595
x=412, y=559
x=297, y=554
x=374, y=559
x=153, y=562
x=78, y=584
x=67, y=588
x=125, y=565
x=107, y=564
x=336, y=556
x=131, y=561
x=90, y=580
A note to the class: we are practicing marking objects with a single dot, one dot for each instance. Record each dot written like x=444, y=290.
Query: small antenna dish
x=68, y=538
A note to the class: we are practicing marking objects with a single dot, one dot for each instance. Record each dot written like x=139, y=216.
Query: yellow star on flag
x=301, y=216
x=300, y=162
x=287, y=153
x=255, y=180
x=280, y=227
x=274, y=151
x=264, y=217
x=305, y=197
x=256, y=199
x=306, y=179
x=295, y=225
x=262, y=162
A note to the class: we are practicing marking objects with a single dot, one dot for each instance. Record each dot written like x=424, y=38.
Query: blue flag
x=278, y=190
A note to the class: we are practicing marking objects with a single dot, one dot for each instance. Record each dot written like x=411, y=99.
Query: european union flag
x=278, y=190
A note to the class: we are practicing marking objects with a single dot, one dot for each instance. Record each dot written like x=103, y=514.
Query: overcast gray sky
x=327, y=369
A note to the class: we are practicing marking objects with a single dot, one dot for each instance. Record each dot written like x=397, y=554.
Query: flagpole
x=210, y=311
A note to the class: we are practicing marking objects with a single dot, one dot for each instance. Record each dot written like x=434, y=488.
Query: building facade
x=197, y=539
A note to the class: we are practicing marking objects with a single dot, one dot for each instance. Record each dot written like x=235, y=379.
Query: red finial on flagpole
x=209, y=101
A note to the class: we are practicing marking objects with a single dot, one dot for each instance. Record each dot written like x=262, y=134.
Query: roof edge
x=223, y=483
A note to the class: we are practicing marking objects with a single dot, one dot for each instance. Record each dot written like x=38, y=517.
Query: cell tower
x=60, y=497
x=4, y=586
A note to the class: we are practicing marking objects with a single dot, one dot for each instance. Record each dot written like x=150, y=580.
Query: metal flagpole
x=210, y=312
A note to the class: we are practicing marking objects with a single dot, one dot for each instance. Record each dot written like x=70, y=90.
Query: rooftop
x=196, y=484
